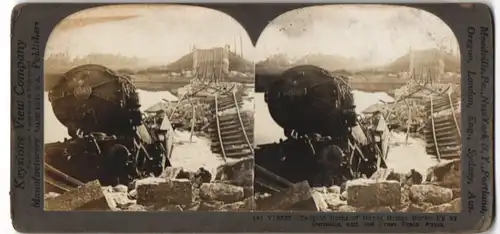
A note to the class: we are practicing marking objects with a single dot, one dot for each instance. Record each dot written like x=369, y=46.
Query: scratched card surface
x=349, y=118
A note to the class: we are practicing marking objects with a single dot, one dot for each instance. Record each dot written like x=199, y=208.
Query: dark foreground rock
x=284, y=201
x=88, y=197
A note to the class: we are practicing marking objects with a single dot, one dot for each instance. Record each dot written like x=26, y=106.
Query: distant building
x=218, y=58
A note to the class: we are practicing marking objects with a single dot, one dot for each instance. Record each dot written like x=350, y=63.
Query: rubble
x=120, y=188
x=385, y=174
x=239, y=173
x=334, y=189
x=178, y=191
x=347, y=208
x=171, y=173
x=246, y=205
x=226, y=193
x=428, y=193
x=385, y=191
x=334, y=201
x=210, y=205
x=320, y=189
x=315, y=203
x=445, y=174
x=412, y=177
x=88, y=197
x=283, y=201
x=371, y=193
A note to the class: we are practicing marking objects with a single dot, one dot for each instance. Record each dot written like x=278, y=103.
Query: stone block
x=371, y=193
x=428, y=193
x=172, y=192
x=87, y=197
x=283, y=201
x=446, y=174
x=315, y=203
x=226, y=193
x=239, y=173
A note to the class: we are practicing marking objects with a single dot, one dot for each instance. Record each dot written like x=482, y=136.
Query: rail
x=434, y=130
x=250, y=146
x=218, y=129
x=454, y=115
x=444, y=133
x=60, y=180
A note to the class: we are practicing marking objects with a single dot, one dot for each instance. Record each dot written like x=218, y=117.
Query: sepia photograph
x=149, y=108
x=357, y=109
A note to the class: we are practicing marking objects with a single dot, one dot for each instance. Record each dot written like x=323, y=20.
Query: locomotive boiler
x=110, y=140
x=316, y=110
x=308, y=99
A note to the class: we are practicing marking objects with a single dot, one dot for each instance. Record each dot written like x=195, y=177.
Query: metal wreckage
x=110, y=138
x=113, y=141
x=325, y=144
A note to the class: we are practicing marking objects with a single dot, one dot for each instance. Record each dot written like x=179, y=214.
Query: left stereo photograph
x=148, y=108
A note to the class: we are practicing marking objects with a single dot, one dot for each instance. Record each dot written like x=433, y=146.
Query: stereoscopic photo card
x=246, y=117
x=156, y=114
x=362, y=102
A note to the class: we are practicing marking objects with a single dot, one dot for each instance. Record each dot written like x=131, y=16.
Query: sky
x=161, y=34
x=373, y=34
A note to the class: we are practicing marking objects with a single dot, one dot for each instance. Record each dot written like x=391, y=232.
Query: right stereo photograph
x=357, y=109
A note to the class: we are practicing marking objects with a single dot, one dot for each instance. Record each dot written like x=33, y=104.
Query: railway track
x=57, y=181
x=232, y=129
x=442, y=131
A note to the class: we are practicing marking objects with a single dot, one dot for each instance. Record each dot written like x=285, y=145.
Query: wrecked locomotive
x=110, y=139
x=316, y=110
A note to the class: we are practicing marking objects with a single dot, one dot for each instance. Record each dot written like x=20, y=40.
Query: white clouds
x=160, y=34
x=375, y=34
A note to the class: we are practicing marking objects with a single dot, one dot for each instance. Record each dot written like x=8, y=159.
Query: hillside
x=280, y=62
x=236, y=63
x=61, y=63
x=423, y=57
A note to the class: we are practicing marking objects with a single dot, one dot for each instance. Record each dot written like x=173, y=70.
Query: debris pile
x=385, y=191
x=175, y=190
